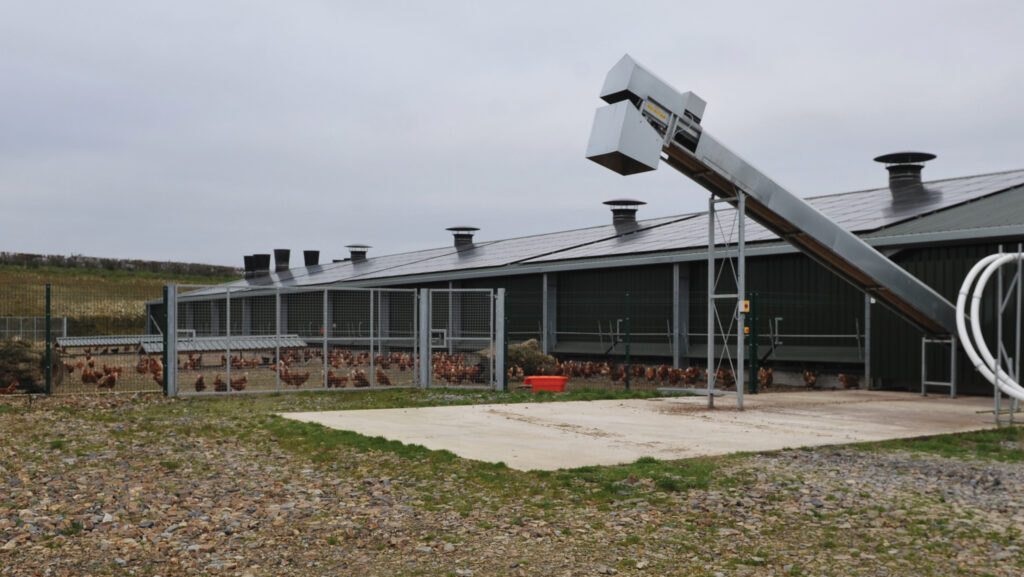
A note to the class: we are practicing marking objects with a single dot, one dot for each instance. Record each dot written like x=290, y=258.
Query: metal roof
x=858, y=212
x=108, y=341
x=234, y=343
x=325, y=273
x=511, y=251
x=992, y=212
x=873, y=213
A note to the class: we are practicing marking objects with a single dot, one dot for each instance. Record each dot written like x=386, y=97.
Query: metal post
x=163, y=321
x=924, y=366
x=501, y=347
x=277, y=338
x=676, y=316
x=171, y=349
x=227, y=334
x=711, y=303
x=753, y=344
x=629, y=339
x=952, y=366
x=999, y=339
x=1017, y=342
x=373, y=332
x=426, y=372
x=49, y=370
x=867, y=342
x=323, y=334
x=740, y=295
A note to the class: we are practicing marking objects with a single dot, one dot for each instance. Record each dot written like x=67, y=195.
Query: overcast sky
x=204, y=131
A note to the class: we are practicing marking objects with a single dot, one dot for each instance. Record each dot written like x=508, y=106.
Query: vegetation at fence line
x=21, y=363
x=167, y=268
x=94, y=300
x=528, y=356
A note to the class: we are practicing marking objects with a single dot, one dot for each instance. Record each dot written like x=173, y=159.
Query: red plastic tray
x=546, y=383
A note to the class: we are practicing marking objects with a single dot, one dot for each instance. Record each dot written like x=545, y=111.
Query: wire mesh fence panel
x=22, y=354
x=31, y=329
x=281, y=339
x=462, y=337
x=103, y=349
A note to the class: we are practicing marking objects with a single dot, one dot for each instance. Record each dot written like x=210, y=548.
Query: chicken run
x=127, y=369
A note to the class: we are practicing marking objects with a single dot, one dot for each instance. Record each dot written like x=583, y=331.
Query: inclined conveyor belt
x=648, y=121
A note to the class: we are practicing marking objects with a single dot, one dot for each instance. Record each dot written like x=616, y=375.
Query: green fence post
x=48, y=370
x=629, y=339
x=504, y=376
x=163, y=321
x=754, y=362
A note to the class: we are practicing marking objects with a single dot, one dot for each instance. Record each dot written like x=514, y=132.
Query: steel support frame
x=738, y=318
x=868, y=301
x=170, y=375
x=1012, y=363
x=925, y=382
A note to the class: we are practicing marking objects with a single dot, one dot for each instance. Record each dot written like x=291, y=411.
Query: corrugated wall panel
x=896, y=347
x=589, y=299
x=814, y=310
x=525, y=306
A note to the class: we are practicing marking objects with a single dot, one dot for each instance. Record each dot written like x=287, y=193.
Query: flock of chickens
x=660, y=374
x=346, y=368
x=105, y=377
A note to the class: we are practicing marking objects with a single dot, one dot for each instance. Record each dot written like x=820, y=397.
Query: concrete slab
x=575, y=434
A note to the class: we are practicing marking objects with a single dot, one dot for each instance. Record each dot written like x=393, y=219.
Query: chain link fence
x=232, y=341
x=95, y=335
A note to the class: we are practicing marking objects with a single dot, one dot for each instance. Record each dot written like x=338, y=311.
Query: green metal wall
x=896, y=346
x=524, y=305
x=818, y=314
x=589, y=298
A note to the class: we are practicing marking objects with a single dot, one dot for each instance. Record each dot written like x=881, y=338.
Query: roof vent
x=357, y=252
x=905, y=171
x=311, y=257
x=463, y=235
x=261, y=265
x=624, y=210
x=281, y=258
x=250, y=265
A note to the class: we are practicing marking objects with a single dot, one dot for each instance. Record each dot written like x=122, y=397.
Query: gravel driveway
x=148, y=486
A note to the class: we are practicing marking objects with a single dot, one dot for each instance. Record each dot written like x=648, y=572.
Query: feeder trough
x=546, y=383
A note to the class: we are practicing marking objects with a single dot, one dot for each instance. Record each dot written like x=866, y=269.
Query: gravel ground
x=122, y=486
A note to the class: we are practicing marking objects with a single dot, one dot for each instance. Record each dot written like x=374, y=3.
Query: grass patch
x=616, y=482
x=1003, y=444
x=321, y=444
x=171, y=464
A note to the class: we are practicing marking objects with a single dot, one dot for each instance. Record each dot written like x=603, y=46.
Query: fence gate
x=464, y=336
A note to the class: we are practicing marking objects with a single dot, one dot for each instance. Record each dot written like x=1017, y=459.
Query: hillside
x=98, y=296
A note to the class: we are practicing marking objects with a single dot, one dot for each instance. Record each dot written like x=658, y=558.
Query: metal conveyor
x=647, y=121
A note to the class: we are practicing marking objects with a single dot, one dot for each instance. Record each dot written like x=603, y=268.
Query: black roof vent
x=905, y=172
x=357, y=252
x=282, y=256
x=624, y=210
x=463, y=235
x=250, y=265
x=261, y=265
x=311, y=257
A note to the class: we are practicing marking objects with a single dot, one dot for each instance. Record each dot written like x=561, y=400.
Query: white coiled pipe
x=973, y=340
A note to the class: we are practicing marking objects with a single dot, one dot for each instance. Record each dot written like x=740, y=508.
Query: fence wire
x=96, y=330
x=296, y=339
